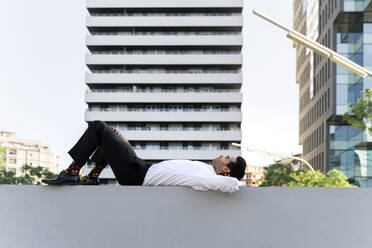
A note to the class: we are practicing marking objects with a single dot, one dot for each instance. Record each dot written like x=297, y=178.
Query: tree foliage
x=2, y=156
x=360, y=114
x=7, y=177
x=30, y=175
x=284, y=176
x=277, y=175
x=334, y=178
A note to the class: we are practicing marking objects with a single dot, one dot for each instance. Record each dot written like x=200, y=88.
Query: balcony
x=164, y=21
x=168, y=217
x=194, y=59
x=164, y=4
x=123, y=116
x=164, y=40
x=185, y=154
x=163, y=78
x=182, y=135
x=120, y=97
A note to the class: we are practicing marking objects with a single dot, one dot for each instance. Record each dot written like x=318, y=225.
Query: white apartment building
x=167, y=74
x=19, y=152
x=253, y=175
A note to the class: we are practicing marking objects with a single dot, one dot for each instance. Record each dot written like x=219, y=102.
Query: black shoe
x=63, y=178
x=89, y=181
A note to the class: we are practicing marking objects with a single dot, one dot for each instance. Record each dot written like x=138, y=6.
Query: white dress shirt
x=194, y=174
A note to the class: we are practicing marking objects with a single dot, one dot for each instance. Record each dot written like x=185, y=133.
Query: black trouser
x=110, y=148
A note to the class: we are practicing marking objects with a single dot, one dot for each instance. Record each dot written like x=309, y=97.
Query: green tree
x=360, y=114
x=334, y=178
x=7, y=177
x=30, y=175
x=284, y=176
x=2, y=156
x=277, y=175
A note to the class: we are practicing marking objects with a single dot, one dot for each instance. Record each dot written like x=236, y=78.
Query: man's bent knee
x=96, y=124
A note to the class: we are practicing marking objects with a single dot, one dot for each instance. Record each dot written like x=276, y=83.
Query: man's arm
x=221, y=183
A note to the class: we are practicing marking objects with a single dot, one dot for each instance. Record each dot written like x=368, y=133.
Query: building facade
x=18, y=152
x=253, y=175
x=296, y=164
x=167, y=74
x=326, y=88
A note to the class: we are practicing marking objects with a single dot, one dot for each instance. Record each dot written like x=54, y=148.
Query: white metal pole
x=319, y=48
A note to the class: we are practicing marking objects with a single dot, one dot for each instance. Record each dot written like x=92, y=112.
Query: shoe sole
x=60, y=184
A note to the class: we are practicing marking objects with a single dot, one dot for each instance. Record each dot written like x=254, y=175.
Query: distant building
x=296, y=164
x=20, y=152
x=253, y=175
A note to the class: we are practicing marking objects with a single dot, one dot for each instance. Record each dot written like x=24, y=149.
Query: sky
x=42, y=93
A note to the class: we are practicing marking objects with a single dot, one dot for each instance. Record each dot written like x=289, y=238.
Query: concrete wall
x=117, y=216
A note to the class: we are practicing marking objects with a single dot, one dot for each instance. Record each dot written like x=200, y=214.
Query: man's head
x=229, y=166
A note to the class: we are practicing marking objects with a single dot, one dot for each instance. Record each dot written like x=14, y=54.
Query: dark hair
x=237, y=169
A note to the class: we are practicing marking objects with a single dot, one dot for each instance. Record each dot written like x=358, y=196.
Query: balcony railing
x=160, y=110
x=164, y=52
x=164, y=90
x=184, y=148
x=176, y=129
x=165, y=33
x=170, y=14
x=167, y=71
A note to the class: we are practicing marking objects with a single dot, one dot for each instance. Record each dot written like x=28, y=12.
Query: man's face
x=220, y=164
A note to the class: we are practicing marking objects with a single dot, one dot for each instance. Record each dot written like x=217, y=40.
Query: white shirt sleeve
x=204, y=183
x=221, y=183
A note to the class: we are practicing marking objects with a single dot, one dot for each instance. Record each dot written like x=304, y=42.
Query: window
x=13, y=152
x=304, y=6
x=329, y=102
x=329, y=8
x=12, y=161
x=329, y=69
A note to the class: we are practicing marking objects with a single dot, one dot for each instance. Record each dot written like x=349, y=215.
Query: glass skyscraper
x=326, y=89
x=350, y=148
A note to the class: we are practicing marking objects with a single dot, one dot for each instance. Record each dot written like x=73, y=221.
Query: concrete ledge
x=117, y=216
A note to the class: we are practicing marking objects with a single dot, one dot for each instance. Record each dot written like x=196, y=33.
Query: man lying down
x=105, y=145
